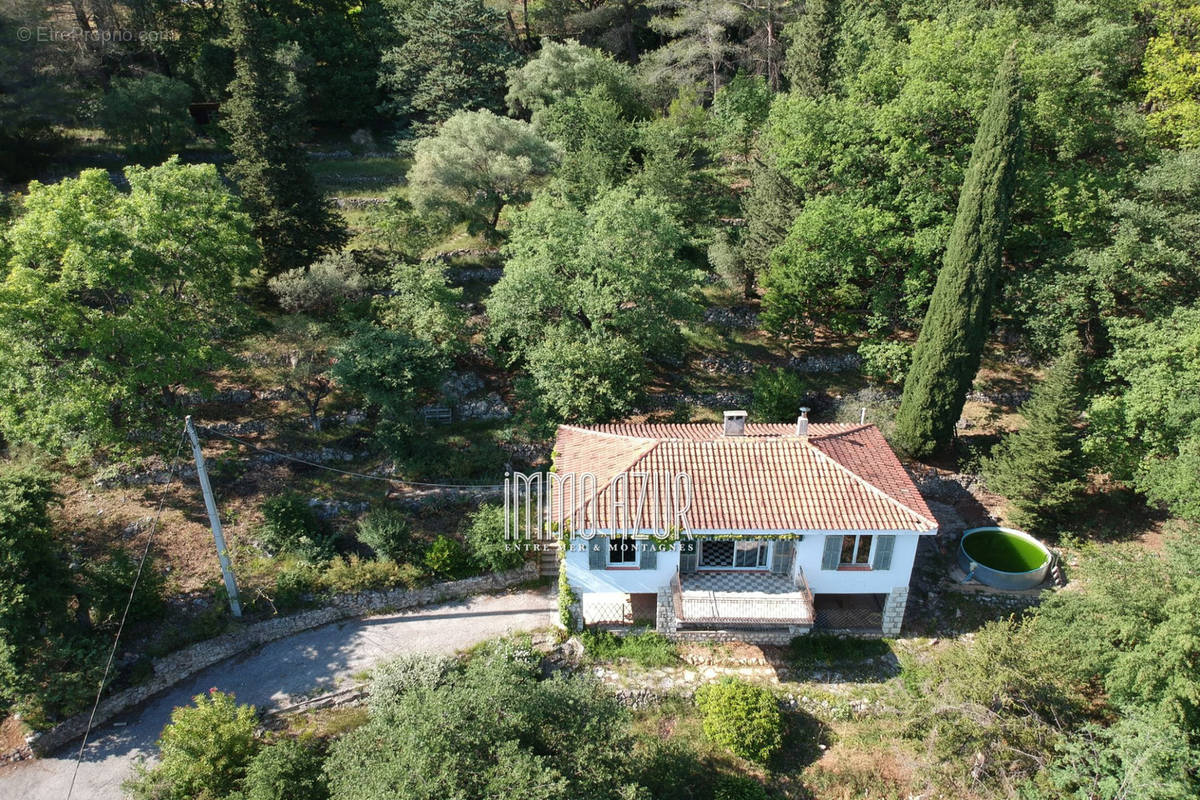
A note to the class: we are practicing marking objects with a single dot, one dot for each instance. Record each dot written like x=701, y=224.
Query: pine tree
x=809, y=65
x=1039, y=468
x=950, y=345
x=265, y=118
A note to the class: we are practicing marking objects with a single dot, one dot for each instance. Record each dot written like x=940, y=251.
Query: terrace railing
x=744, y=608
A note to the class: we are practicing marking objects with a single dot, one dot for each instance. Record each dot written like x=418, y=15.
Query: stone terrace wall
x=184, y=663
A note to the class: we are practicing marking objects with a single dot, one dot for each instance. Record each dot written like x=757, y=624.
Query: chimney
x=802, y=422
x=735, y=423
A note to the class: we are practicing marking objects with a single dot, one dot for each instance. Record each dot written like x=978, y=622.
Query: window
x=733, y=554
x=622, y=551
x=856, y=551
x=750, y=555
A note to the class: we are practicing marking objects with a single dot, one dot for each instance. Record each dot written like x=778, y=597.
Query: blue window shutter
x=883, y=552
x=597, y=552
x=781, y=558
x=833, y=552
x=648, y=553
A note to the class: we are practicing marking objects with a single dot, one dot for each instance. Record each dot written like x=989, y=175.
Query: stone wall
x=774, y=636
x=186, y=662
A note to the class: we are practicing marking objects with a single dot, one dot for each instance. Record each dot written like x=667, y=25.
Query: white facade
x=808, y=554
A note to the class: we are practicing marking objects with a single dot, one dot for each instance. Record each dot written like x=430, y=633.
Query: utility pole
x=211, y=505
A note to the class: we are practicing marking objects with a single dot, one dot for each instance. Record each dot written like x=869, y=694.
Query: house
x=786, y=527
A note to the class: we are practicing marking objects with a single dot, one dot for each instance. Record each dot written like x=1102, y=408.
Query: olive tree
x=476, y=164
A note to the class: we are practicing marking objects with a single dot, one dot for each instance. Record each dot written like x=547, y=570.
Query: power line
x=162, y=499
x=350, y=473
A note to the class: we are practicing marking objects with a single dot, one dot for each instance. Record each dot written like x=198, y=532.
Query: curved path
x=308, y=663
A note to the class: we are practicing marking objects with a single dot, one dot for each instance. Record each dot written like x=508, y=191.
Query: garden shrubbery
x=395, y=678
x=777, y=395
x=286, y=770
x=388, y=533
x=322, y=288
x=483, y=531
x=448, y=559
x=742, y=717
x=203, y=753
x=490, y=729
x=291, y=526
x=108, y=581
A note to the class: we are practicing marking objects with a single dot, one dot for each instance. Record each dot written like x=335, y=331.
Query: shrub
x=738, y=787
x=290, y=526
x=495, y=730
x=778, y=395
x=293, y=584
x=386, y=531
x=204, y=751
x=483, y=531
x=322, y=288
x=286, y=770
x=447, y=558
x=392, y=679
x=886, y=361
x=354, y=574
x=108, y=582
x=741, y=717
x=648, y=649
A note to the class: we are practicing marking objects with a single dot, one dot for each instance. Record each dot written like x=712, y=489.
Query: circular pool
x=1003, y=557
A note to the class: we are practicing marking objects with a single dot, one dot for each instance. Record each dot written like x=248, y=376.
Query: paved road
x=273, y=675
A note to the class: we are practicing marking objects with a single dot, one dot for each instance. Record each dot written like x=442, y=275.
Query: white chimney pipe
x=802, y=422
x=735, y=423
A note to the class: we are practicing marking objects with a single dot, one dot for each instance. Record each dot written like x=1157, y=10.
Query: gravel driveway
x=274, y=675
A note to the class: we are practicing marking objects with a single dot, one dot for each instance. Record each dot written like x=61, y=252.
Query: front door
x=734, y=554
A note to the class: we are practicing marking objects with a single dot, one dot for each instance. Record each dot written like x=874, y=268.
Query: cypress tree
x=1040, y=467
x=265, y=119
x=809, y=64
x=950, y=345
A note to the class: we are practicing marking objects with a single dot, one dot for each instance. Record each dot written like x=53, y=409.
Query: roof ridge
x=594, y=432
x=870, y=486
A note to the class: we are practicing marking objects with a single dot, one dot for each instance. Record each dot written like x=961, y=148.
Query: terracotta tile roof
x=843, y=477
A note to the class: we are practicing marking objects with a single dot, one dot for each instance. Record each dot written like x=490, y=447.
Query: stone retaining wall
x=773, y=636
x=182, y=664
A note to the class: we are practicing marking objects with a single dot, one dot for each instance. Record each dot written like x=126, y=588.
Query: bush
x=321, y=289
x=386, y=531
x=286, y=770
x=886, y=361
x=483, y=531
x=738, y=787
x=447, y=558
x=354, y=574
x=494, y=730
x=290, y=526
x=149, y=115
x=108, y=582
x=741, y=717
x=293, y=584
x=203, y=752
x=648, y=649
x=392, y=679
x=778, y=395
